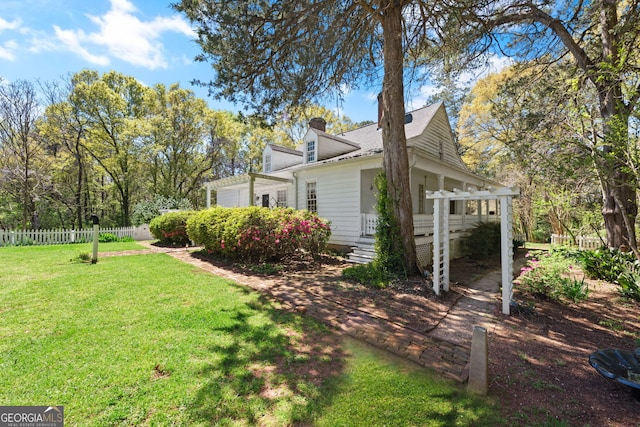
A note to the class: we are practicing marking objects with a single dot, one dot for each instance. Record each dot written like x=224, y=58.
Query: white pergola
x=441, y=234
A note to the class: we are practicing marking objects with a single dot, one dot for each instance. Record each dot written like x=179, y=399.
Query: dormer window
x=267, y=163
x=311, y=151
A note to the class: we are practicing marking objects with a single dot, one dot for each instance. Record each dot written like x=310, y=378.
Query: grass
x=380, y=390
x=148, y=340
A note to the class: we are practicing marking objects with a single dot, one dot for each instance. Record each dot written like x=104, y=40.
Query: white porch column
x=506, y=236
x=464, y=207
x=208, y=195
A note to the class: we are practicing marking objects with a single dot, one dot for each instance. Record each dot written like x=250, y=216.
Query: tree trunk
x=396, y=161
x=619, y=207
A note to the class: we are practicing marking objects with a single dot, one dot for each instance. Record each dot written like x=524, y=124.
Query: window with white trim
x=311, y=151
x=267, y=162
x=281, y=199
x=312, y=197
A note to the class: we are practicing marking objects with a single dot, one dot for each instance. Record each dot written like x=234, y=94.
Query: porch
x=423, y=223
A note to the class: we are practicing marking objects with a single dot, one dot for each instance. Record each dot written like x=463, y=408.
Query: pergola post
x=441, y=200
x=506, y=255
x=437, y=260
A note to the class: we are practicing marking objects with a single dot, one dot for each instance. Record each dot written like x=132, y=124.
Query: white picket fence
x=56, y=237
x=584, y=242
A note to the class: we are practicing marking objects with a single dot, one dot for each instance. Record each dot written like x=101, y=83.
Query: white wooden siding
x=436, y=133
x=232, y=198
x=338, y=188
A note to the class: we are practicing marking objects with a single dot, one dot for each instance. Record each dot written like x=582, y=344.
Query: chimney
x=379, y=110
x=318, y=123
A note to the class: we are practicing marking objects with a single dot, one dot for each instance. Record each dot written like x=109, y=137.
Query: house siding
x=438, y=141
x=337, y=202
x=232, y=197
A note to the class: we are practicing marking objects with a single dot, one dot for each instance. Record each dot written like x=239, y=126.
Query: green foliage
x=368, y=275
x=629, y=283
x=107, y=237
x=110, y=237
x=483, y=240
x=548, y=274
x=146, y=210
x=170, y=228
x=606, y=264
x=259, y=234
x=82, y=257
x=615, y=266
x=388, y=259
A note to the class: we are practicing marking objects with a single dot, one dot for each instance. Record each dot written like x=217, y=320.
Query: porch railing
x=423, y=224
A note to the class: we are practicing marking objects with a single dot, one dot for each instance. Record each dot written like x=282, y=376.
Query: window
x=312, y=197
x=281, y=200
x=421, y=199
x=267, y=162
x=311, y=151
x=452, y=207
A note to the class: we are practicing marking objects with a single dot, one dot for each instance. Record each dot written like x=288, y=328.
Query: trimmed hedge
x=170, y=228
x=259, y=234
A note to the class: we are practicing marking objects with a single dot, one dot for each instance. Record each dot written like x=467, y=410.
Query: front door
x=265, y=200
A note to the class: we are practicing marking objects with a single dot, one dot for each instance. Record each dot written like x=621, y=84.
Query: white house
x=334, y=176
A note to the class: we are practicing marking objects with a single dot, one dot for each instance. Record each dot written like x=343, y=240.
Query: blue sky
x=46, y=39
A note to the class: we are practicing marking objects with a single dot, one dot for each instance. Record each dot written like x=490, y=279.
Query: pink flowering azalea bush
x=259, y=234
x=170, y=228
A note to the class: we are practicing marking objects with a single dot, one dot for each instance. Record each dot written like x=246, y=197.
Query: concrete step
x=362, y=254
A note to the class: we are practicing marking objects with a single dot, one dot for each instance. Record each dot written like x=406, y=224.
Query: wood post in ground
x=479, y=364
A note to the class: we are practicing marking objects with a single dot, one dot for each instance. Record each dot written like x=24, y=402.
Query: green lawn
x=148, y=340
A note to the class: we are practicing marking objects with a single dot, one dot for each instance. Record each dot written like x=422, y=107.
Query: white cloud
x=8, y=49
x=124, y=37
x=6, y=25
x=72, y=41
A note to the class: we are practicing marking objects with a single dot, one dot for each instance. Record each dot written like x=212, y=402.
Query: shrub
x=107, y=238
x=615, y=266
x=548, y=275
x=259, y=234
x=629, y=283
x=170, y=228
x=483, y=240
x=368, y=275
x=110, y=237
x=606, y=264
x=146, y=210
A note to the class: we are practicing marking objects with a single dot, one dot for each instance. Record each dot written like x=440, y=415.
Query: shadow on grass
x=270, y=367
